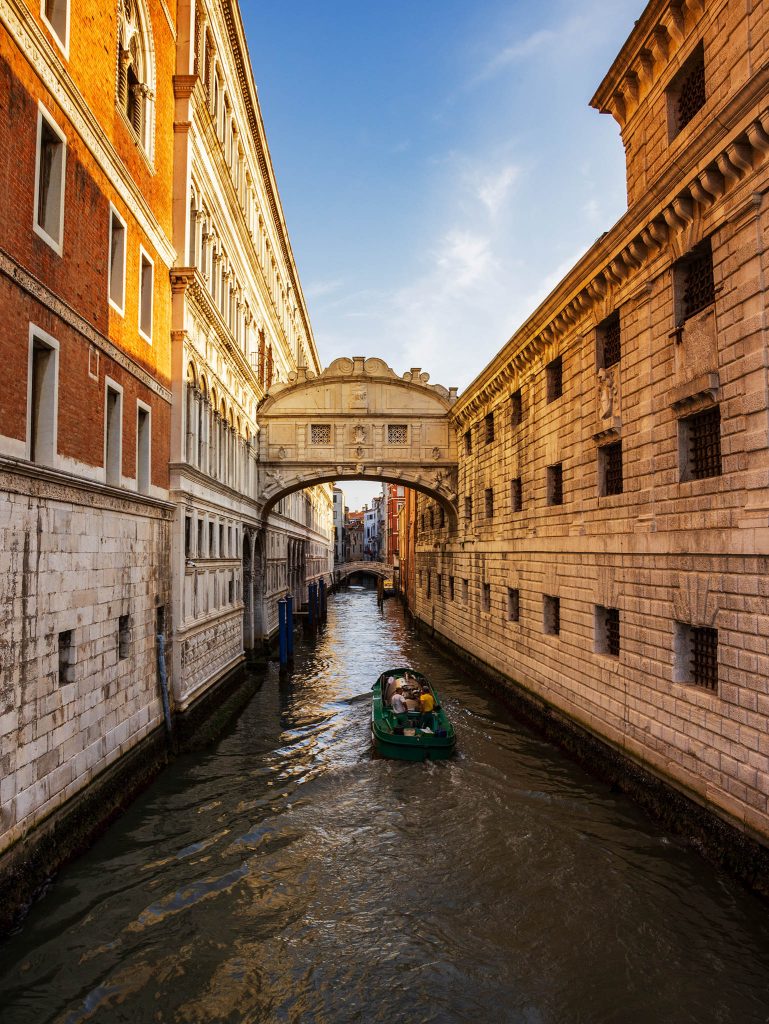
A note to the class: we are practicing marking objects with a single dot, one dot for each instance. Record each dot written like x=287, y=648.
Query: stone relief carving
x=696, y=598
x=359, y=433
x=607, y=389
x=436, y=453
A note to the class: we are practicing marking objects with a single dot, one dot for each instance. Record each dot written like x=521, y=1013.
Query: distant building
x=353, y=537
x=339, y=513
x=394, y=495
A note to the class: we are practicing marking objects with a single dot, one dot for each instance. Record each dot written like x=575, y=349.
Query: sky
x=439, y=166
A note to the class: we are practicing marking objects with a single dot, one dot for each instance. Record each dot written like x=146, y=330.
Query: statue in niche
x=359, y=433
x=359, y=451
x=436, y=453
x=607, y=392
x=282, y=453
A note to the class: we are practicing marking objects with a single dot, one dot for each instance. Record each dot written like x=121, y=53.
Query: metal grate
x=397, y=433
x=704, y=657
x=705, y=444
x=698, y=284
x=489, y=421
x=516, y=494
x=555, y=484
x=691, y=92
x=516, y=408
x=612, y=349
x=611, y=630
x=320, y=433
x=612, y=468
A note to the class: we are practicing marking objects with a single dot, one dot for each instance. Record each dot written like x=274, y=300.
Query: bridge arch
x=380, y=569
x=358, y=420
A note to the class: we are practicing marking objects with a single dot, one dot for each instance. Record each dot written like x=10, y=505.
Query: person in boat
x=390, y=686
x=399, y=702
x=426, y=706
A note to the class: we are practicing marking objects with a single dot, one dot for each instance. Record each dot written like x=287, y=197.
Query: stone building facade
x=612, y=555
x=85, y=404
x=239, y=325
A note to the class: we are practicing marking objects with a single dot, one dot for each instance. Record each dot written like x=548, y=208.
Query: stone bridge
x=345, y=569
x=358, y=420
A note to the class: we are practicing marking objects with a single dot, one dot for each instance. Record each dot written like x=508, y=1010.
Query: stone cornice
x=713, y=166
x=43, y=294
x=28, y=36
x=239, y=47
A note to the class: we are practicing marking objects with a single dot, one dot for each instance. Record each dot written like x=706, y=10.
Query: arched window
x=136, y=71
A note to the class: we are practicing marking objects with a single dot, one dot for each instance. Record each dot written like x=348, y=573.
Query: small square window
x=468, y=442
x=486, y=597
x=608, y=342
x=320, y=433
x=513, y=604
x=468, y=506
x=700, y=444
x=607, y=630
x=516, y=494
x=489, y=427
x=693, y=282
x=516, y=408
x=696, y=650
x=610, y=469
x=489, y=502
x=397, y=433
x=124, y=637
x=66, y=656
x=686, y=93
x=555, y=484
x=551, y=610
x=554, y=374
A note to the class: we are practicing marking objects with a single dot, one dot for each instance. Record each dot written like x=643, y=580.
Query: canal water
x=287, y=875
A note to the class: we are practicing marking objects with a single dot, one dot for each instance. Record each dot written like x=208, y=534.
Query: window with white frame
x=146, y=289
x=113, y=432
x=55, y=14
x=50, y=170
x=117, y=251
x=42, y=401
x=143, y=447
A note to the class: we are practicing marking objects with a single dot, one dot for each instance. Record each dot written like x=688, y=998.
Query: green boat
x=410, y=736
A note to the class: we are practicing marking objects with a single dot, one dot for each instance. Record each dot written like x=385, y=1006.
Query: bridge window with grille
x=554, y=375
x=607, y=630
x=555, y=484
x=610, y=469
x=551, y=615
x=397, y=433
x=696, y=653
x=320, y=433
x=700, y=444
x=489, y=427
x=136, y=72
x=687, y=93
x=693, y=282
x=608, y=342
x=516, y=408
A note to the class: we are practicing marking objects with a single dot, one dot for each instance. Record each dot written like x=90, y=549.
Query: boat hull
x=401, y=737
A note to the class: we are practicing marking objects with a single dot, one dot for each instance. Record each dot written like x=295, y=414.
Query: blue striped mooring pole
x=282, y=633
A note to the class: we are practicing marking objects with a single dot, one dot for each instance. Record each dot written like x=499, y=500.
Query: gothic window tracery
x=136, y=71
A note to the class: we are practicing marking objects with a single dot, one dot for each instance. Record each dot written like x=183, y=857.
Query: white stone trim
x=112, y=385
x=113, y=212
x=148, y=409
x=63, y=44
x=57, y=244
x=52, y=343
x=143, y=254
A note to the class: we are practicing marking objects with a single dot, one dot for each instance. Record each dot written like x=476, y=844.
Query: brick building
x=85, y=250
x=614, y=457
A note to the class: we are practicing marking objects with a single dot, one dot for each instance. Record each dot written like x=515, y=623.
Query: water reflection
x=289, y=875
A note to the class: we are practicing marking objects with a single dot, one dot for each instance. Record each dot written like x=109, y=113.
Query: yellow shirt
x=426, y=703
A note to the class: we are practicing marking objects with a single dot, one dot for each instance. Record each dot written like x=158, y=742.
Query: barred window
x=451, y=588
x=516, y=408
x=516, y=494
x=124, y=637
x=555, y=484
x=609, y=342
x=429, y=578
x=439, y=580
x=551, y=613
x=554, y=373
x=489, y=500
x=66, y=656
x=513, y=604
x=610, y=469
x=697, y=655
x=468, y=506
x=687, y=92
x=701, y=444
x=468, y=442
x=486, y=597
x=489, y=427
x=465, y=590
x=607, y=630
x=320, y=433
x=397, y=433
x=694, y=282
